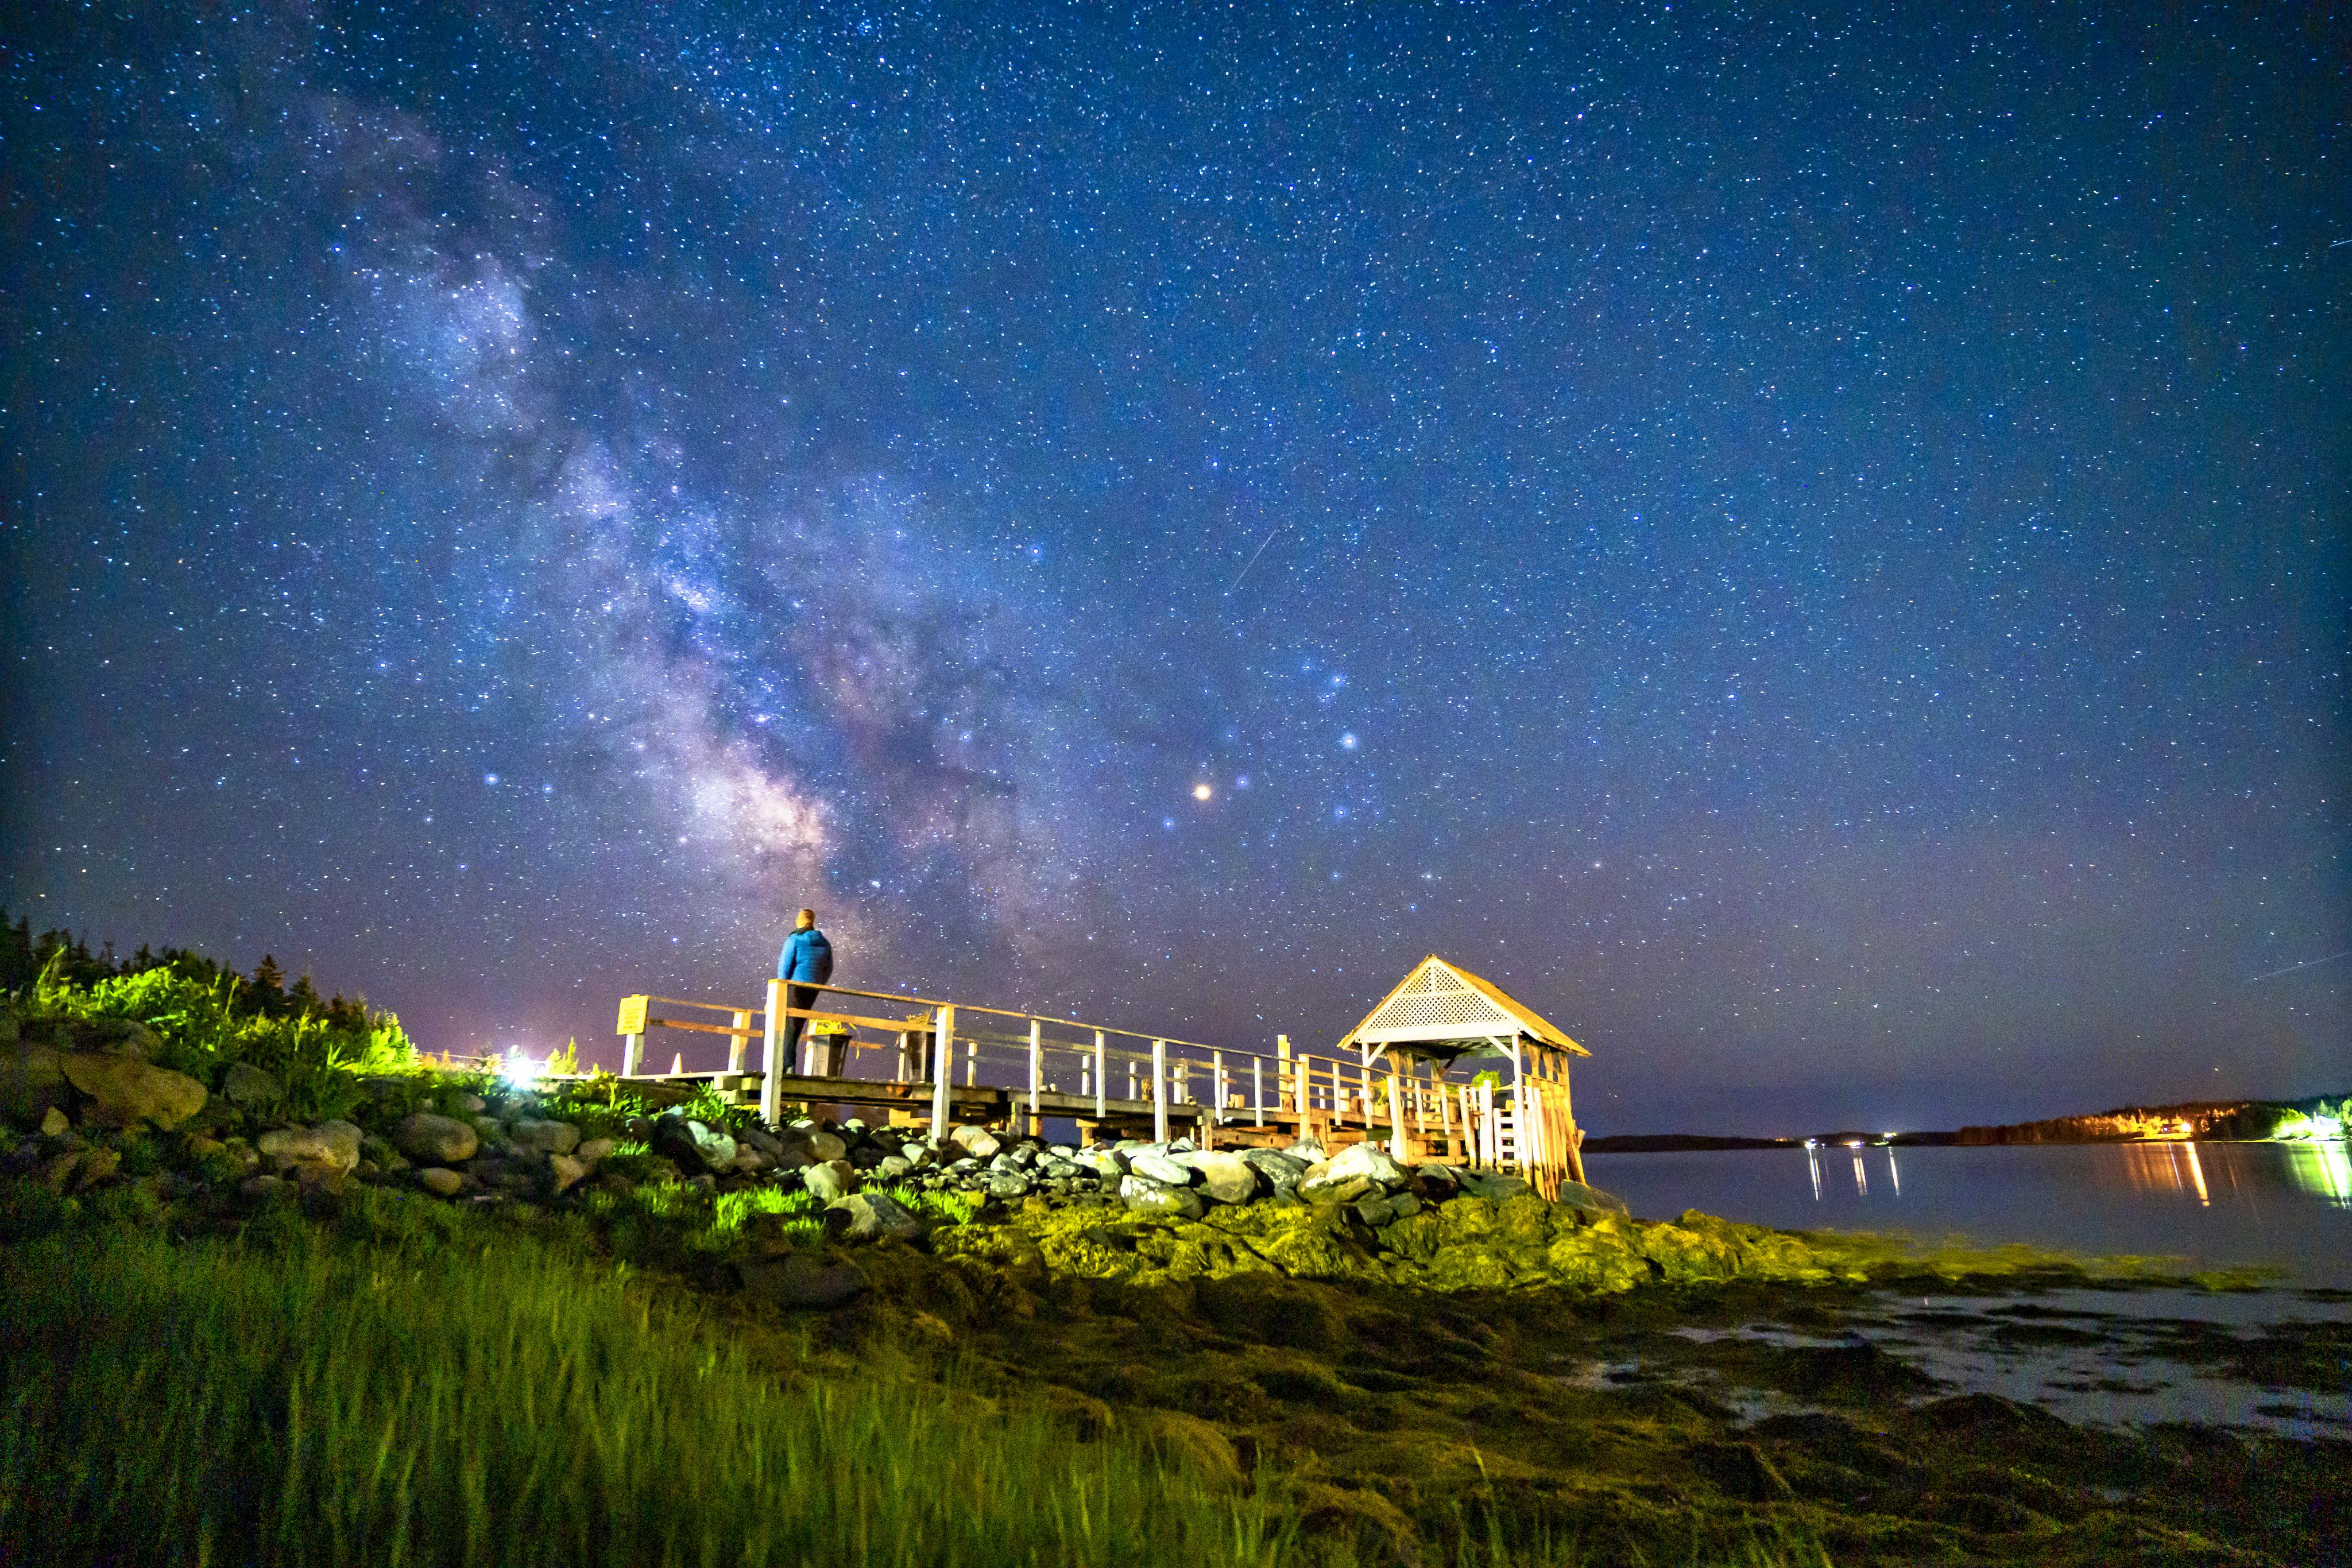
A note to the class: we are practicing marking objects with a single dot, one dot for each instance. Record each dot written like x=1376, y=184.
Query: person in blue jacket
x=805, y=964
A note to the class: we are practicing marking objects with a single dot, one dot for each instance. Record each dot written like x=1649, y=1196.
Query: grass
x=287, y=1399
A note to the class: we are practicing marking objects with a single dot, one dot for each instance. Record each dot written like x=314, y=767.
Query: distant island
x=2320, y=1116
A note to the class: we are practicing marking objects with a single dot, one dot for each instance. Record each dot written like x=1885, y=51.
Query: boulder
x=830, y=1180
x=1576, y=1195
x=595, y=1149
x=694, y=1146
x=1009, y=1184
x=804, y=1280
x=1160, y=1168
x=432, y=1140
x=826, y=1145
x=976, y=1142
x=440, y=1182
x=1496, y=1185
x=54, y=1124
x=332, y=1147
x=1226, y=1178
x=97, y=1165
x=1368, y=1160
x=466, y=1105
x=563, y=1171
x=1145, y=1195
x=547, y=1137
x=1109, y=1163
x=246, y=1084
x=875, y=1216
x=894, y=1167
x=125, y=1092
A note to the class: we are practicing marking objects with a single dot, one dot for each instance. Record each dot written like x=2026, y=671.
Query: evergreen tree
x=266, y=990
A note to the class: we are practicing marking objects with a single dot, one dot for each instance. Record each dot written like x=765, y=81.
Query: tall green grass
x=218, y=1403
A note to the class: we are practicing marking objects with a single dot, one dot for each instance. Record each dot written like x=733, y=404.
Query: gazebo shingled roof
x=1443, y=1011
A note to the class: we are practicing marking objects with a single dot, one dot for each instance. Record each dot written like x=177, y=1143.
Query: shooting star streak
x=2306, y=963
x=1252, y=559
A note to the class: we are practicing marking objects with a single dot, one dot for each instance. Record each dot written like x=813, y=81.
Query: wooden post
x=770, y=1070
x=899, y=1073
x=737, y=1042
x=1519, y=1102
x=1284, y=1098
x=633, y=1050
x=1396, y=1123
x=1037, y=1122
x=943, y=1055
x=1257, y=1091
x=1217, y=1085
x=1159, y=1090
x=1444, y=1105
x=1100, y=1085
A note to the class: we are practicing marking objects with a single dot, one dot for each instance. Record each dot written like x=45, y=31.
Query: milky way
x=1813, y=551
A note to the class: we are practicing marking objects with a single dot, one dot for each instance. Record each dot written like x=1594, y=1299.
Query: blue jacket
x=807, y=959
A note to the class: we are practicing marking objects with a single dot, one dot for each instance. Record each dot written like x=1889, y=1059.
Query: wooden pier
x=946, y=1063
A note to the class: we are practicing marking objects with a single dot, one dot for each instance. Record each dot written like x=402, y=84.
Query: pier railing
x=922, y=1059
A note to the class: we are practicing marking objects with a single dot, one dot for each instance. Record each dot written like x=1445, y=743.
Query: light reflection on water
x=2285, y=1205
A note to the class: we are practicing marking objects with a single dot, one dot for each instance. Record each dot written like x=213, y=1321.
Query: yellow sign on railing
x=632, y=1015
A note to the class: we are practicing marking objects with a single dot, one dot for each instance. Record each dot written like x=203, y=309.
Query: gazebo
x=1443, y=1014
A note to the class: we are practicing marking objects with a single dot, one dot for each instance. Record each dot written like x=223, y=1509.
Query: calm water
x=2284, y=1206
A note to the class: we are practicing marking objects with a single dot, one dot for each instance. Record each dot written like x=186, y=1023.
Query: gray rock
x=1225, y=1177
x=1057, y=1169
x=431, y=1140
x=467, y=1104
x=894, y=1167
x=1107, y=1163
x=917, y=1152
x=830, y=1180
x=802, y=1280
x=1160, y=1168
x=246, y=1084
x=1404, y=1204
x=1008, y=1184
x=1144, y=1196
x=875, y=1216
x=1495, y=1184
x=125, y=1092
x=694, y=1146
x=1576, y=1195
x=1374, y=1210
x=440, y=1181
x=547, y=1137
x=563, y=1171
x=767, y=1143
x=976, y=1142
x=1306, y=1149
x=826, y=1145
x=1366, y=1160
x=595, y=1149
x=54, y=1124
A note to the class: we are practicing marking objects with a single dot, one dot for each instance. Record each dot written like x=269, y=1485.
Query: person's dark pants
x=796, y=997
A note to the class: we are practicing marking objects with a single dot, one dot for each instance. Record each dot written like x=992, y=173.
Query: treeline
x=2202, y=1119
x=66, y=961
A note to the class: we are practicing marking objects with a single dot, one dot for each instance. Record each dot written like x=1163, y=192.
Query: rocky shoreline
x=102, y=1113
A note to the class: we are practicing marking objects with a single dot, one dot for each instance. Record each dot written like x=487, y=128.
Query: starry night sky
x=1814, y=548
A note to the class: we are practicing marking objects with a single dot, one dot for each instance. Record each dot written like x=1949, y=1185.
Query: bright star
x=1201, y=791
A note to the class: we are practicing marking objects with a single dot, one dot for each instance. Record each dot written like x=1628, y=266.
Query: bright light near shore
x=521, y=1070
x=1201, y=791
